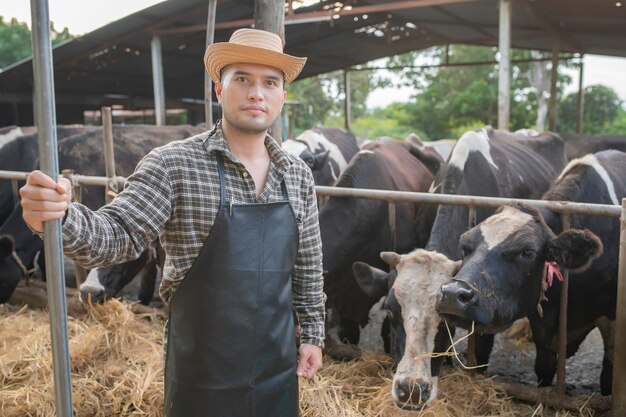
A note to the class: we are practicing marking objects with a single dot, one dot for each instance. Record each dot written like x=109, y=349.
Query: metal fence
x=565, y=208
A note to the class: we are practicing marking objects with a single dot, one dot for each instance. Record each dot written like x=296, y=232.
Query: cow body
x=358, y=229
x=83, y=153
x=578, y=145
x=506, y=258
x=327, y=151
x=484, y=162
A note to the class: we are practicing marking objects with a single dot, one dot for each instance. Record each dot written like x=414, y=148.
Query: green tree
x=321, y=98
x=15, y=40
x=451, y=98
x=601, y=108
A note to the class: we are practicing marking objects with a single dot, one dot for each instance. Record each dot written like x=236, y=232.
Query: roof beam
x=318, y=16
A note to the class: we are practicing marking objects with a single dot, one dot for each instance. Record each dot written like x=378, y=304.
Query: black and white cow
x=484, y=162
x=511, y=258
x=326, y=151
x=83, y=153
x=358, y=229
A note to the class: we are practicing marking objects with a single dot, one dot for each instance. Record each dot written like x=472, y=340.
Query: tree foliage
x=601, y=109
x=15, y=40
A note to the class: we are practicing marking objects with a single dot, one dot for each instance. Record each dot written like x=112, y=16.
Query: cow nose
x=410, y=394
x=455, y=297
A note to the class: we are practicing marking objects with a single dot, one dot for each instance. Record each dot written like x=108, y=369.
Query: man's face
x=251, y=96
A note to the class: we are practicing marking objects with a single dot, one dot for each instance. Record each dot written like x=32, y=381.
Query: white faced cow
x=411, y=299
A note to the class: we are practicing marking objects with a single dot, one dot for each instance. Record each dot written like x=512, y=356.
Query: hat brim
x=218, y=55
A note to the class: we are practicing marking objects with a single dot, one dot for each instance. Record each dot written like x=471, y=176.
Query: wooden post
x=553, y=87
x=346, y=103
x=504, y=79
x=269, y=15
x=208, y=84
x=562, y=353
x=618, y=398
x=157, y=81
x=580, y=110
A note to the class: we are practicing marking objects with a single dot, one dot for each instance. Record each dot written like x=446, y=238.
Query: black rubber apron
x=231, y=345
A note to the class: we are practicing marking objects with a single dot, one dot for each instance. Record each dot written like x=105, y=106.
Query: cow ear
x=575, y=249
x=320, y=159
x=427, y=156
x=6, y=245
x=373, y=281
x=392, y=258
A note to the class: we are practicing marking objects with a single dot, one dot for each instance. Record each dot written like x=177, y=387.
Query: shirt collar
x=216, y=141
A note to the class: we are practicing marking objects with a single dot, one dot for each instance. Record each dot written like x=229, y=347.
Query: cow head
x=104, y=283
x=504, y=259
x=10, y=272
x=411, y=304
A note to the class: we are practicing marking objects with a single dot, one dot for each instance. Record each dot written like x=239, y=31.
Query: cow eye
x=527, y=254
x=466, y=250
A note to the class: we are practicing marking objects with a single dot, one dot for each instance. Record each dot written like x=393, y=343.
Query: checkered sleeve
x=308, y=284
x=122, y=230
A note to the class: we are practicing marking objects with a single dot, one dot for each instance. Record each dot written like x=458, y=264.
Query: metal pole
x=554, y=76
x=471, y=340
x=504, y=79
x=392, y=224
x=346, y=103
x=157, y=81
x=581, y=98
x=618, y=398
x=109, y=155
x=208, y=84
x=562, y=354
x=53, y=246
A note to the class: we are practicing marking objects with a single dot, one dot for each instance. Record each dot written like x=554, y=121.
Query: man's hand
x=44, y=199
x=309, y=360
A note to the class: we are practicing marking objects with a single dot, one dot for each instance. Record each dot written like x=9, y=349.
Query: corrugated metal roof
x=114, y=61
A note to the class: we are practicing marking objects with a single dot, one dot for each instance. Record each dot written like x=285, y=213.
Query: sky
x=82, y=16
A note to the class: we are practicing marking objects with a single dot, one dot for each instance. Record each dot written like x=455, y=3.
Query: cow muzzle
x=411, y=394
x=456, y=302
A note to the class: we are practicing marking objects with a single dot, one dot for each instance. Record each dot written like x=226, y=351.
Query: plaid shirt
x=174, y=194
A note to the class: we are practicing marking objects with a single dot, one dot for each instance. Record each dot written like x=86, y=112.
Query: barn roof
x=113, y=63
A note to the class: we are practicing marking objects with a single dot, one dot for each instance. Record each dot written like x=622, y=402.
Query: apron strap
x=220, y=169
x=284, y=188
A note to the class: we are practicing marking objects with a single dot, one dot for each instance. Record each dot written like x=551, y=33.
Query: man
x=237, y=217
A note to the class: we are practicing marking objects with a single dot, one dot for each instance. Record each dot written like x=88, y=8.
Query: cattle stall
x=565, y=208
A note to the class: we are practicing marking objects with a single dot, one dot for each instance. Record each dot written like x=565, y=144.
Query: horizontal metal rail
x=75, y=178
x=467, y=200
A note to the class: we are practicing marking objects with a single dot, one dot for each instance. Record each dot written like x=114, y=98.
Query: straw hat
x=252, y=46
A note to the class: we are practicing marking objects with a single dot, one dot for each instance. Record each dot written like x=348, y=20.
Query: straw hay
x=117, y=370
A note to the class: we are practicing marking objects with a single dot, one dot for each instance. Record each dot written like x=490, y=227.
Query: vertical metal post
x=562, y=353
x=554, y=77
x=580, y=110
x=157, y=81
x=471, y=340
x=49, y=163
x=618, y=398
x=392, y=224
x=504, y=79
x=109, y=155
x=208, y=84
x=346, y=103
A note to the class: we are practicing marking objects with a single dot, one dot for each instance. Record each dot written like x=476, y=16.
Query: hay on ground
x=117, y=370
